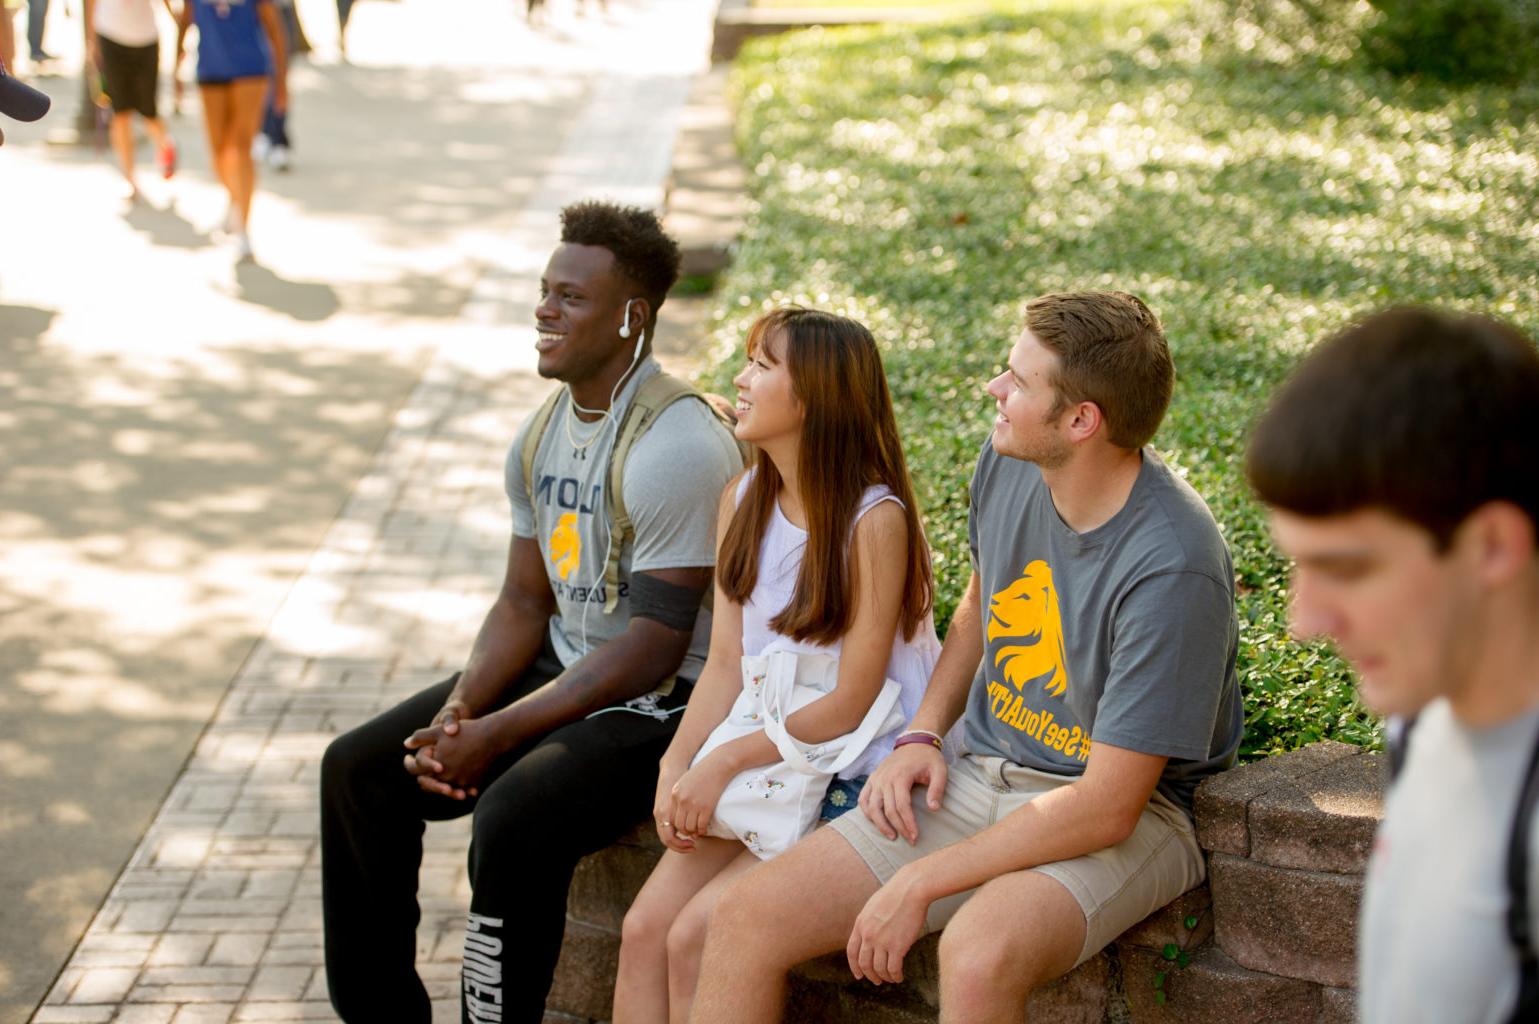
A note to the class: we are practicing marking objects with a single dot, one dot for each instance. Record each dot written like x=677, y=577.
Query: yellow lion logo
x=1028, y=610
x=566, y=545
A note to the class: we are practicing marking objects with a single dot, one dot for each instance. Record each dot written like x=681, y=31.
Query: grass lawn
x=940, y=7
x=962, y=6
x=929, y=180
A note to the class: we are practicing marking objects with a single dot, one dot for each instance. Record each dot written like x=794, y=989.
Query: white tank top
x=126, y=22
x=780, y=560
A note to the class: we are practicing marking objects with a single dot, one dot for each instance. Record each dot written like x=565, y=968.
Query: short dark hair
x=1425, y=414
x=1111, y=351
x=643, y=251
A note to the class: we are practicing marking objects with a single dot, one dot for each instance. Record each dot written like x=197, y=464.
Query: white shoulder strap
x=777, y=694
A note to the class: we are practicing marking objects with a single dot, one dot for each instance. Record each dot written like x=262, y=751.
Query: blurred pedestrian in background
x=272, y=145
x=240, y=43
x=344, y=12
x=123, y=46
x=37, y=17
x=8, y=33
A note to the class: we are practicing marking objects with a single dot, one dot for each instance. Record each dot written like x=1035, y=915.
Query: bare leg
x=7, y=37
x=1017, y=932
x=248, y=96
x=122, y=134
x=641, y=984
x=157, y=129
x=686, y=939
x=758, y=932
x=216, y=118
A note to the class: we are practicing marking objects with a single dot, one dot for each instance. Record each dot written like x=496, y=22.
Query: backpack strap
x=537, y=427
x=655, y=394
x=1519, y=918
x=1397, y=737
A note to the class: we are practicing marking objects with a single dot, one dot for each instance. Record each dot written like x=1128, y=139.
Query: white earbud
x=625, y=327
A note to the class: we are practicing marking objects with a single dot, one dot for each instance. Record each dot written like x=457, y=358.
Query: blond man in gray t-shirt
x=1399, y=463
x=1091, y=663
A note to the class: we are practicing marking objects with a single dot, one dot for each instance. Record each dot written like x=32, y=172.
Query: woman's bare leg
x=641, y=984
x=217, y=105
x=247, y=98
x=7, y=37
x=686, y=939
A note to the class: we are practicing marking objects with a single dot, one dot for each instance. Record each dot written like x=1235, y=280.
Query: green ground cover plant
x=930, y=180
x=959, y=6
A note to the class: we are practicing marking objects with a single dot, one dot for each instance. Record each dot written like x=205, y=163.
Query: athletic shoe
x=278, y=159
x=166, y=158
x=243, y=248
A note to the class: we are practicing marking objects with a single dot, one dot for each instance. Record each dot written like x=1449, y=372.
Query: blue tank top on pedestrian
x=231, y=41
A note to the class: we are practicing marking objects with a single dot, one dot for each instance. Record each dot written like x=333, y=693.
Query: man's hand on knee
x=887, y=928
x=887, y=797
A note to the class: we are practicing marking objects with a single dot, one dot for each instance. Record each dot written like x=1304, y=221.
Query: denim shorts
x=842, y=796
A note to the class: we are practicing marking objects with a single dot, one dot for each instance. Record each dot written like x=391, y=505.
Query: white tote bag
x=771, y=807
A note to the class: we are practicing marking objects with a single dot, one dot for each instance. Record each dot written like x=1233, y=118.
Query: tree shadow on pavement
x=422, y=152
x=165, y=226
x=302, y=300
x=23, y=324
x=153, y=511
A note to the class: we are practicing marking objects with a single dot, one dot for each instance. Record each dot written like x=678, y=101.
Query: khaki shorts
x=1116, y=887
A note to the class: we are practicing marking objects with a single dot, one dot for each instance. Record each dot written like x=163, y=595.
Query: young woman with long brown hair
x=820, y=553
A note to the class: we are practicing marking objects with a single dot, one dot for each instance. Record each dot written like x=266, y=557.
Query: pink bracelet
x=916, y=737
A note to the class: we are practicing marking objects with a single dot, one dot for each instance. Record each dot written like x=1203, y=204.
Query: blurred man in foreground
x=1399, y=464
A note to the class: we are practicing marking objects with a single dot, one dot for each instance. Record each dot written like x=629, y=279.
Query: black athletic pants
x=541, y=809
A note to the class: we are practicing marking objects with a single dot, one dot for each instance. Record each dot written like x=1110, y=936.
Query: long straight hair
x=849, y=442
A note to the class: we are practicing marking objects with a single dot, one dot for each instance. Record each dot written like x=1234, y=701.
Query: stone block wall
x=1268, y=939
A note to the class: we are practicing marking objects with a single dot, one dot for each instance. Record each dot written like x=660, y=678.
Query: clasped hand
x=686, y=800
x=450, y=755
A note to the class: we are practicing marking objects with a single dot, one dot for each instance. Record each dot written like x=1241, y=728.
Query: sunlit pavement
x=285, y=474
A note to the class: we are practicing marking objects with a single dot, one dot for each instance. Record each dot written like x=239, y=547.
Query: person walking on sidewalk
x=123, y=43
x=1398, y=467
x=8, y=34
x=551, y=734
x=240, y=43
x=344, y=14
x=272, y=144
x=37, y=18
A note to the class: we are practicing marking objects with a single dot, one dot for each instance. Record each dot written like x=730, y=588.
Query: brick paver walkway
x=217, y=916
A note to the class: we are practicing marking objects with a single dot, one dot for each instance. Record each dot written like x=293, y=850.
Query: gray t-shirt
x=673, y=479
x=1125, y=634
x=1432, y=941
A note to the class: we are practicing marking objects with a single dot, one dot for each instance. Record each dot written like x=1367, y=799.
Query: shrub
x=1445, y=40
x=929, y=181
x=1456, y=40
